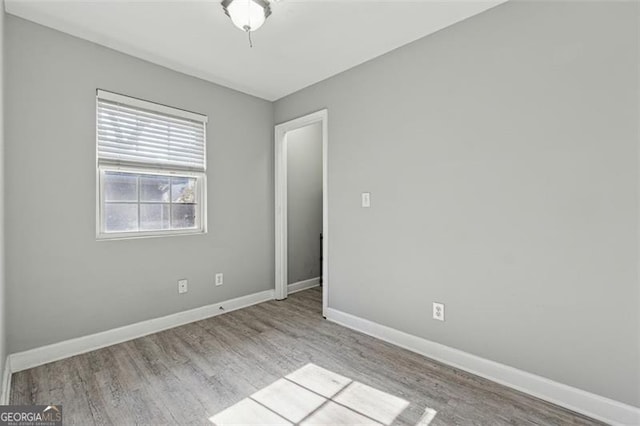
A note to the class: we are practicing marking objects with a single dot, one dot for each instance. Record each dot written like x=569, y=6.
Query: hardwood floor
x=277, y=362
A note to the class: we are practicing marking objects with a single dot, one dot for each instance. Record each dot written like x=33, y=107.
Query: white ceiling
x=301, y=43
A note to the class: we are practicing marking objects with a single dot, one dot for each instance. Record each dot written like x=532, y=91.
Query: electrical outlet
x=438, y=311
x=182, y=286
x=366, y=199
x=219, y=279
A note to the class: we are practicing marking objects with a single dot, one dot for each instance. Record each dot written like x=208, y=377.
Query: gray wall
x=62, y=283
x=502, y=158
x=3, y=324
x=304, y=202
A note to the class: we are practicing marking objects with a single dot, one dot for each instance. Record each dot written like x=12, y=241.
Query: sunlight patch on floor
x=289, y=399
x=313, y=395
x=427, y=417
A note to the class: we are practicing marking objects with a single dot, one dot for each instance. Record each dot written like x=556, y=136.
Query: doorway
x=288, y=133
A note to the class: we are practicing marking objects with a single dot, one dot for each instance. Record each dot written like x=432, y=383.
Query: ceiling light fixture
x=247, y=15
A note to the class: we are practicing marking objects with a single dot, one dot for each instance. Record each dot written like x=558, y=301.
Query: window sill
x=151, y=234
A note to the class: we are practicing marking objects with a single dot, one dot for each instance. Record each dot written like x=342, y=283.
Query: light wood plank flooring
x=277, y=362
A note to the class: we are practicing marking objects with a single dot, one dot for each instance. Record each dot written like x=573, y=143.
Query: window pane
x=120, y=186
x=154, y=217
x=183, y=190
x=154, y=188
x=183, y=216
x=120, y=217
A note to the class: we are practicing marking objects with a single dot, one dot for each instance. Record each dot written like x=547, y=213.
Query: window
x=151, y=169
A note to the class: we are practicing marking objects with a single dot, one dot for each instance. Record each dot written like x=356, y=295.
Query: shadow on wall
x=313, y=395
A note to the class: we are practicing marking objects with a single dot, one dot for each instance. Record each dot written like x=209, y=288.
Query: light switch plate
x=219, y=279
x=366, y=199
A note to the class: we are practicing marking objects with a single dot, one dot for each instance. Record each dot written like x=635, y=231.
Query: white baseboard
x=6, y=383
x=303, y=285
x=592, y=405
x=54, y=352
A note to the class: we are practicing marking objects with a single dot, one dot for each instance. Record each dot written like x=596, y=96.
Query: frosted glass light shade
x=248, y=15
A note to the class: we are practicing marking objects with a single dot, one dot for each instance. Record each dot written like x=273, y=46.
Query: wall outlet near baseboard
x=182, y=286
x=438, y=311
x=219, y=279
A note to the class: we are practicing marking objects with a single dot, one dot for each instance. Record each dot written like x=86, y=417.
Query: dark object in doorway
x=321, y=260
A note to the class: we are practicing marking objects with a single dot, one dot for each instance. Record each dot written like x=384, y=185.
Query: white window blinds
x=135, y=132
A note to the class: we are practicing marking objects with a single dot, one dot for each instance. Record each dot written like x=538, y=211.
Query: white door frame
x=281, y=202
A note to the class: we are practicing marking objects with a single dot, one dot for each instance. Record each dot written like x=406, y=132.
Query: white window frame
x=201, y=203
x=101, y=169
